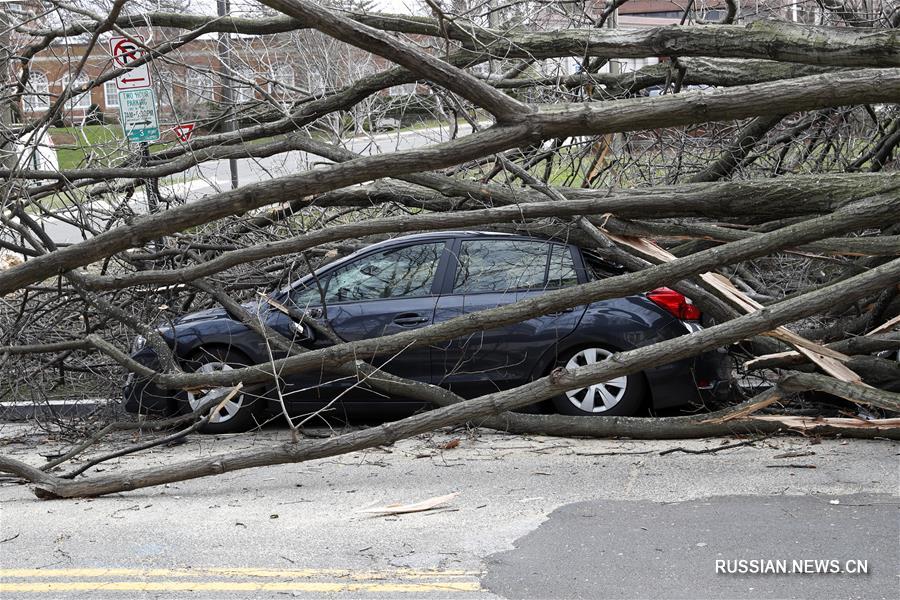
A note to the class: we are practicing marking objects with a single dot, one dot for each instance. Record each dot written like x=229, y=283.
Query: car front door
x=385, y=292
x=487, y=273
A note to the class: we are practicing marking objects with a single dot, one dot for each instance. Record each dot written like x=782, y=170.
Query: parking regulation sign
x=137, y=110
x=125, y=52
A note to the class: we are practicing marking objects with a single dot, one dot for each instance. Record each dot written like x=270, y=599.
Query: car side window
x=500, y=266
x=561, y=271
x=394, y=273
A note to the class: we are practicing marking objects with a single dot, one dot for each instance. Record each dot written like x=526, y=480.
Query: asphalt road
x=213, y=176
x=803, y=547
x=535, y=517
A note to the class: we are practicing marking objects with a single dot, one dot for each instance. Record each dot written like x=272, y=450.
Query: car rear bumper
x=693, y=380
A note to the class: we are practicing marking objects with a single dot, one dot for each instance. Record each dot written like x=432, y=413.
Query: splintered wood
x=828, y=360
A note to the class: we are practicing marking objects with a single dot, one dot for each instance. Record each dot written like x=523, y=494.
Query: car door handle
x=408, y=319
x=559, y=312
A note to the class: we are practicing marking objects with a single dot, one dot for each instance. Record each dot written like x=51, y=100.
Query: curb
x=66, y=409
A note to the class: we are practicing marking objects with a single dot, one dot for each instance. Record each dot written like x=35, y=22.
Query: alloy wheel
x=599, y=397
x=230, y=408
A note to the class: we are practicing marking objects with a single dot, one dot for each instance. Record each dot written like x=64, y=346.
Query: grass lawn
x=104, y=144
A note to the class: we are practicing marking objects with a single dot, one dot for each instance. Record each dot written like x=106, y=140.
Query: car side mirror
x=302, y=333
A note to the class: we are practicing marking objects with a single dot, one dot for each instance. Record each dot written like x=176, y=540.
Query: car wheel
x=621, y=396
x=237, y=414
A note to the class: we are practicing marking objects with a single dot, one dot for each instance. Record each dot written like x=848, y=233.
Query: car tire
x=618, y=397
x=239, y=414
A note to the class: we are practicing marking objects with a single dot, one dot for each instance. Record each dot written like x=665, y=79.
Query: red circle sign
x=126, y=51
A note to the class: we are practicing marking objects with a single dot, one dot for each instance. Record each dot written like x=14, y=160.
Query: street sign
x=184, y=131
x=125, y=52
x=138, y=77
x=137, y=109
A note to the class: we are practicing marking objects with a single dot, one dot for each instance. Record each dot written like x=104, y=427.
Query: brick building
x=188, y=81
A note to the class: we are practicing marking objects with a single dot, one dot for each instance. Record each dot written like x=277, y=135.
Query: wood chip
x=396, y=509
x=795, y=454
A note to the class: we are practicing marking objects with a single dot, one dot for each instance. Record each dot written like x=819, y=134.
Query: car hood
x=213, y=314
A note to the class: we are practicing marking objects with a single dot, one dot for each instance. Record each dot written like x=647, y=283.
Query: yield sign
x=125, y=52
x=184, y=131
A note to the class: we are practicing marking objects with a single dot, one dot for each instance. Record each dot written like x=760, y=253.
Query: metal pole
x=151, y=185
x=224, y=46
x=7, y=141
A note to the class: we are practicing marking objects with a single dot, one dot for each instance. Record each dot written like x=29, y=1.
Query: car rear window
x=561, y=271
x=599, y=268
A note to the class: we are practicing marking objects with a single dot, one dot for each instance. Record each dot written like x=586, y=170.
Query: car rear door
x=486, y=273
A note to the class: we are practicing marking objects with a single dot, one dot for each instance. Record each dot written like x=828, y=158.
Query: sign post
x=137, y=104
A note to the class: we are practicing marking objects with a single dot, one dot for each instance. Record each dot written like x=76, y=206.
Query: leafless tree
x=746, y=159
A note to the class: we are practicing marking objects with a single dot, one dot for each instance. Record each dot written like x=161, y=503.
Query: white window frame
x=315, y=81
x=243, y=93
x=197, y=88
x=36, y=98
x=282, y=78
x=111, y=94
x=82, y=101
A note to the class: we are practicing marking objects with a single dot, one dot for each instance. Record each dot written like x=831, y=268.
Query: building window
x=406, y=89
x=315, y=81
x=165, y=88
x=111, y=94
x=37, y=93
x=282, y=79
x=243, y=92
x=198, y=88
x=80, y=101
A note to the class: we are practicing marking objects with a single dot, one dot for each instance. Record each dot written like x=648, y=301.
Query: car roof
x=415, y=237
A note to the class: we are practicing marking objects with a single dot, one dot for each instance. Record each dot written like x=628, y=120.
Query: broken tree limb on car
x=830, y=361
x=558, y=381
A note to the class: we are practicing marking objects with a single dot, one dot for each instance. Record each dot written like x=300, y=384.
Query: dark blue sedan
x=418, y=280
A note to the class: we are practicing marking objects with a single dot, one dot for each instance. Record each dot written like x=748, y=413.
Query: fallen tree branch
x=861, y=394
x=545, y=387
x=215, y=400
x=867, y=85
x=715, y=449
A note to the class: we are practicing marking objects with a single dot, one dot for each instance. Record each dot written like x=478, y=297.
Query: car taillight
x=675, y=303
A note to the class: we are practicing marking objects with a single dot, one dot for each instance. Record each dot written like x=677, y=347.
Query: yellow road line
x=237, y=572
x=237, y=586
